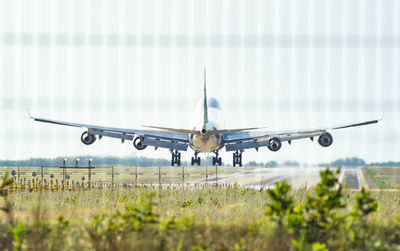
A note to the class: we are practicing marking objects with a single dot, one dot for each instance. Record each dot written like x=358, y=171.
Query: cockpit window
x=212, y=102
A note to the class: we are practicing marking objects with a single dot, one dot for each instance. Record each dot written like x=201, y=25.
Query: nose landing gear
x=176, y=158
x=216, y=159
x=237, y=158
x=195, y=159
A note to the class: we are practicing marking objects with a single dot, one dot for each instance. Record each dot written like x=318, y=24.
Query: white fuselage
x=206, y=142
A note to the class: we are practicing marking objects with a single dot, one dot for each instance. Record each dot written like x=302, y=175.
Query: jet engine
x=88, y=138
x=274, y=144
x=325, y=139
x=139, y=144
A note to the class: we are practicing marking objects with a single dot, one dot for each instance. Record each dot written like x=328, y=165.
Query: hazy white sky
x=280, y=64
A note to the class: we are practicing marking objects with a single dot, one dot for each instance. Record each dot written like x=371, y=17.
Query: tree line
x=98, y=161
x=145, y=161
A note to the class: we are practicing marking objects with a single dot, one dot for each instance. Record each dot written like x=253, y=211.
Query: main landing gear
x=216, y=159
x=176, y=158
x=237, y=158
x=195, y=159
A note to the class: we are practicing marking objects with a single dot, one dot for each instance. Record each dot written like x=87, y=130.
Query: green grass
x=385, y=177
x=219, y=218
x=126, y=174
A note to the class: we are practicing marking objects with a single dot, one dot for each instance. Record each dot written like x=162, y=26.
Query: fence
x=70, y=178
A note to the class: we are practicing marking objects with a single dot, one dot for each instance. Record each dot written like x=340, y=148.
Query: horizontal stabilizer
x=213, y=132
x=233, y=130
x=175, y=129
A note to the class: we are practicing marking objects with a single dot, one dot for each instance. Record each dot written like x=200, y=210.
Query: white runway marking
x=352, y=178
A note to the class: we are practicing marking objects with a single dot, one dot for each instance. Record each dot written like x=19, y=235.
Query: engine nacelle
x=325, y=139
x=139, y=144
x=274, y=144
x=88, y=138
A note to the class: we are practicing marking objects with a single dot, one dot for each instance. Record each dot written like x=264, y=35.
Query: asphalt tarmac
x=298, y=177
x=352, y=178
x=266, y=177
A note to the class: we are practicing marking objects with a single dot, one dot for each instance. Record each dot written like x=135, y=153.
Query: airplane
x=205, y=136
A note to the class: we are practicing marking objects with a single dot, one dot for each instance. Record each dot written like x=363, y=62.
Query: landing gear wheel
x=176, y=158
x=217, y=160
x=237, y=158
x=195, y=159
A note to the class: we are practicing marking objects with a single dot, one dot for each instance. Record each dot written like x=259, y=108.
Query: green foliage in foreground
x=321, y=224
x=229, y=218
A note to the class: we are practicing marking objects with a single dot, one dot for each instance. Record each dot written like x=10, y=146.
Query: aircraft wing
x=157, y=138
x=254, y=139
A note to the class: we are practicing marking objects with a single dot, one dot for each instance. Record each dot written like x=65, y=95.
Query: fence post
x=64, y=171
x=136, y=176
x=112, y=177
x=206, y=173
x=41, y=174
x=90, y=173
x=183, y=176
x=216, y=173
x=159, y=177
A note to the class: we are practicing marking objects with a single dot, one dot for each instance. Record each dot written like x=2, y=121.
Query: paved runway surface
x=297, y=176
x=266, y=177
x=352, y=178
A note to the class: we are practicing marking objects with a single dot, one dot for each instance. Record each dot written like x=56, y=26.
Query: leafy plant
x=107, y=230
x=323, y=218
x=358, y=231
x=281, y=204
x=19, y=233
x=187, y=203
x=365, y=204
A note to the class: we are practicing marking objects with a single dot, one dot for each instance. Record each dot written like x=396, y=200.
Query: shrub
x=321, y=223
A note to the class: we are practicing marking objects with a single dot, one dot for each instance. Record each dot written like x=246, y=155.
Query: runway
x=266, y=177
x=298, y=177
x=351, y=178
x=250, y=177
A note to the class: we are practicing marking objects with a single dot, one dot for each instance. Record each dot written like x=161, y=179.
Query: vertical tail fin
x=205, y=110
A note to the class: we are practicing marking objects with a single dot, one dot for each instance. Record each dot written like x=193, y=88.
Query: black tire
x=198, y=162
x=87, y=138
x=192, y=161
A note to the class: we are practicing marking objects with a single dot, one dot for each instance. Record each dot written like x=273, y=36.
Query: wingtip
x=29, y=114
x=383, y=115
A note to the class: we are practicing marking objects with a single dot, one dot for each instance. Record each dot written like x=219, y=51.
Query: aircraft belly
x=206, y=144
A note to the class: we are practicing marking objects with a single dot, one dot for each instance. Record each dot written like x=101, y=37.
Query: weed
x=226, y=218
